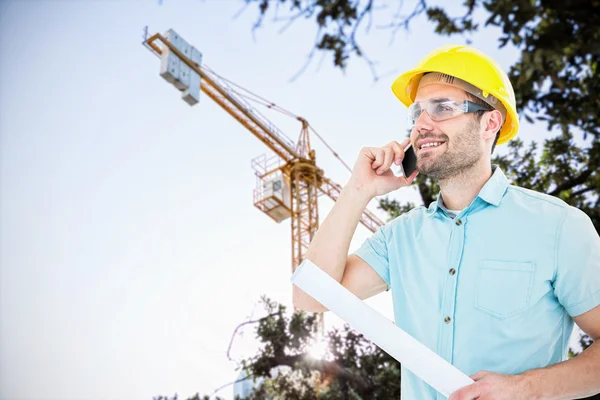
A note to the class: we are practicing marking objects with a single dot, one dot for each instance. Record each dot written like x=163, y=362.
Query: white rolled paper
x=412, y=354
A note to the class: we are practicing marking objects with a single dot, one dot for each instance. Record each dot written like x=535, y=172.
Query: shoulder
x=415, y=215
x=536, y=203
x=544, y=205
x=536, y=198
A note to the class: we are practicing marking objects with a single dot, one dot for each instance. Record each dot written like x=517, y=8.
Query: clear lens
x=438, y=109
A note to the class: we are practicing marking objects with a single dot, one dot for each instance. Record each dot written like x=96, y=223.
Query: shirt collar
x=433, y=207
x=494, y=189
x=492, y=192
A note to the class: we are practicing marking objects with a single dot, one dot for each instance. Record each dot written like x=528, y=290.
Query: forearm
x=572, y=379
x=329, y=247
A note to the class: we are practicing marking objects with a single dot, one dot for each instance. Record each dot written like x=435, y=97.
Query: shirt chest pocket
x=504, y=287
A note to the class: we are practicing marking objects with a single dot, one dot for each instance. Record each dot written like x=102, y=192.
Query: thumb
x=405, y=181
x=470, y=392
x=479, y=375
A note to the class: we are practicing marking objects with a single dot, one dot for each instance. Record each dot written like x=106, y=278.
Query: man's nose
x=424, y=122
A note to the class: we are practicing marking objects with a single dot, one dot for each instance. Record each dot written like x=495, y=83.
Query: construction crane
x=289, y=183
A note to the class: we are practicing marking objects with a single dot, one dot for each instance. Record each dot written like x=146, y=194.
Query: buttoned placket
x=451, y=272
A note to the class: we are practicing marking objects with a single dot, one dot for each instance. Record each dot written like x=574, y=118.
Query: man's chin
x=428, y=169
x=424, y=165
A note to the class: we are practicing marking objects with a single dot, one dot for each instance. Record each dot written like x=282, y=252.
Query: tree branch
x=368, y=8
x=582, y=191
x=326, y=368
x=404, y=22
x=309, y=58
x=572, y=183
x=231, y=383
x=241, y=325
x=293, y=18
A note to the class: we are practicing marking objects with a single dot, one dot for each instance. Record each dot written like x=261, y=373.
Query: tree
x=352, y=367
x=176, y=397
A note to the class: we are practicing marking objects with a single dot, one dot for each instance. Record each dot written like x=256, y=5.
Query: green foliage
x=195, y=397
x=395, y=208
x=337, y=22
x=352, y=368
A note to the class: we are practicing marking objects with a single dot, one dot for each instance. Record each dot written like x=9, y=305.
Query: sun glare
x=319, y=349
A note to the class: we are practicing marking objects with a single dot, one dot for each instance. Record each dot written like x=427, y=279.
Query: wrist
x=531, y=383
x=358, y=192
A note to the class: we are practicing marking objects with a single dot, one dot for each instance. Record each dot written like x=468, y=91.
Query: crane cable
x=256, y=98
x=282, y=110
x=269, y=104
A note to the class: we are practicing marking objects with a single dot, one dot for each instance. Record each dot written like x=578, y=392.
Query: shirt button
x=447, y=320
x=458, y=222
x=452, y=271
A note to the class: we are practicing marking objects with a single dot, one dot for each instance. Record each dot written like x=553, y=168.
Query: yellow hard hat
x=471, y=66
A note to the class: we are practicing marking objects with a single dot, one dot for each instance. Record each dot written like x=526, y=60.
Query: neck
x=458, y=191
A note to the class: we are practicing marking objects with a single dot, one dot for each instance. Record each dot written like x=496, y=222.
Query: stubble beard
x=465, y=153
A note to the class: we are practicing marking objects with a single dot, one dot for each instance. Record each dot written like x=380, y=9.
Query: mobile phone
x=409, y=163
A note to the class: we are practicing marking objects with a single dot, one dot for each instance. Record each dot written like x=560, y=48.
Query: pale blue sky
x=130, y=248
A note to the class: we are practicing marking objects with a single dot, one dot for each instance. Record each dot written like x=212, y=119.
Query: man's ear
x=493, y=122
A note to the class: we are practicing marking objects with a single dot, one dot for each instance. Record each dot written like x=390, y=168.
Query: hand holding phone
x=373, y=174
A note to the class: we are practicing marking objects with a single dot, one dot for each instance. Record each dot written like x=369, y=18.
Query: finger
x=404, y=144
x=369, y=152
x=398, y=152
x=387, y=161
x=479, y=375
x=470, y=392
x=379, y=158
x=405, y=181
x=411, y=179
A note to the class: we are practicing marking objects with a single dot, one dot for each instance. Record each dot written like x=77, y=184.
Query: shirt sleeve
x=577, y=283
x=374, y=251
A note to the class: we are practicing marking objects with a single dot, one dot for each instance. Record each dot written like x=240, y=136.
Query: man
x=490, y=276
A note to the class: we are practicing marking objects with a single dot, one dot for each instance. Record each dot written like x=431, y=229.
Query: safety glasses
x=441, y=109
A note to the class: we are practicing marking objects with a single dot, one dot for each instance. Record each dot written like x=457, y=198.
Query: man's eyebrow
x=440, y=99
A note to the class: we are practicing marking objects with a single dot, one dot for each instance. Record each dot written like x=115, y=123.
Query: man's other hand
x=494, y=386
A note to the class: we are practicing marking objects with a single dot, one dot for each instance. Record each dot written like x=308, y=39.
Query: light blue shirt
x=494, y=288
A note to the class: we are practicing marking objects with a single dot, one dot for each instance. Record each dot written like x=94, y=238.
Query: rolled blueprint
x=412, y=354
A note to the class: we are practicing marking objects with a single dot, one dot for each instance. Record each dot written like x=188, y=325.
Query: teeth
x=434, y=144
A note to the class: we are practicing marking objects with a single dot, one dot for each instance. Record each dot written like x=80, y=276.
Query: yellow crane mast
x=288, y=183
